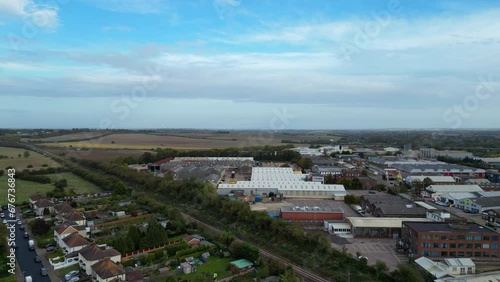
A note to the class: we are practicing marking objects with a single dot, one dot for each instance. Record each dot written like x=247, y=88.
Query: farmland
x=20, y=163
x=68, y=137
x=26, y=188
x=191, y=141
x=97, y=154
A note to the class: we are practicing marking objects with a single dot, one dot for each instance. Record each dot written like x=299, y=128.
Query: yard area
x=213, y=265
x=61, y=272
x=20, y=163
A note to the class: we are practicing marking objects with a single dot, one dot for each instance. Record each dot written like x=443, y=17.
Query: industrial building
x=449, y=240
x=436, y=191
x=311, y=214
x=442, y=169
x=436, y=180
x=284, y=181
x=478, y=205
x=378, y=227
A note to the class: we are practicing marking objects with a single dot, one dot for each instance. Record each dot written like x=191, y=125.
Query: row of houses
x=72, y=236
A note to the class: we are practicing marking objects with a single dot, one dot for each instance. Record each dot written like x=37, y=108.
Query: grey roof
x=488, y=201
x=436, y=167
x=401, y=209
x=447, y=227
x=328, y=169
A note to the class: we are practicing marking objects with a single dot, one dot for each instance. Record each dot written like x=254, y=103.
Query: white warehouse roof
x=382, y=222
x=454, y=188
x=433, y=178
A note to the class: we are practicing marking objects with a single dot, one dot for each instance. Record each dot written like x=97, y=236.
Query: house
x=73, y=243
x=66, y=229
x=240, y=266
x=134, y=276
x=106, y=270
x=35, y=198
x=92, y=254
x=43, y=206
x=63, y=208
x=75, y=217
x=450, y=267
x=190, y=240
x=188, y=267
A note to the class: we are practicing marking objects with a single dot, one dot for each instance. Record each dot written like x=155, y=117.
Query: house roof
x=437, y=269
x=188, y=238
x=63, y=207
x=488, y=201
x=63, y=227
x=92, y=253
x=43, y=203
x=75, y=240
x=135, y=276
x=36, y=197
x=241, y=263
x=74, y=216
x=106, y=269
x=454, y=262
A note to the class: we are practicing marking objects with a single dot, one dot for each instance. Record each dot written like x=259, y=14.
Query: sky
x=241, y=64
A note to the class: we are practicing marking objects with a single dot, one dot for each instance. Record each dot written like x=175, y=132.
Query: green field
x=76, y=183
x=24, y=189
x=34, y=159
x=213, y=265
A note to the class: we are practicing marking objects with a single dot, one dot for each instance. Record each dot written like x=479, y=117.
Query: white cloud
x=44, y=17
x=131, y=6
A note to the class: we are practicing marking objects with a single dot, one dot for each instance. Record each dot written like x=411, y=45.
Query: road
x=305, y=274
x=25, y=257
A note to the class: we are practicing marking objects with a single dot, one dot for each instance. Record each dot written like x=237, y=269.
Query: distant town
x=95, y=205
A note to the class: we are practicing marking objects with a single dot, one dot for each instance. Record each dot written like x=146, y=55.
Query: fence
x=128, y=256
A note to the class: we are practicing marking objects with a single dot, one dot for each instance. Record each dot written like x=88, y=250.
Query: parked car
x=26, y=234
x=2, y=215
x=44, y=271
x=71, y=274
x=38, y=258
x=21, y=227
x=4, y=221
x=74, y=279
x=50, y=248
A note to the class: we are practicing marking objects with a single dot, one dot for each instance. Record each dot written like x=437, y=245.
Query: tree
x=119, y=188
x=406, y=273
x=226, y=238
x=364, y=172
x=26, y=154
x=356, y=184
x=2, y=172
x=427, y=182
x=305, y=163
x=40, y=227
x=289, y=276
x=61, y=184
x=244, y=251
x=380, y=267
x=135, y=234
x=19, y=155
x=330, y=179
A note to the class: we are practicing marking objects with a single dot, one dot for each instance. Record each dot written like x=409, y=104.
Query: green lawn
x=80, y=185
x=34, y=159
x=24, y=189
x=213, y=265
x=61, y=272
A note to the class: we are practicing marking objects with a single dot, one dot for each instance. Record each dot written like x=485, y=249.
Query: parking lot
x=377, y=249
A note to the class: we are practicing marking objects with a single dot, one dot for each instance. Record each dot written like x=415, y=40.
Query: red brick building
x=450, y=240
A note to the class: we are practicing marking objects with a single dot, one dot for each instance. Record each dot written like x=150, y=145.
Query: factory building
x=282, y=180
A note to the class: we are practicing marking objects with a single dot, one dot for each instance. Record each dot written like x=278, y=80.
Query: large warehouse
x=282, y=180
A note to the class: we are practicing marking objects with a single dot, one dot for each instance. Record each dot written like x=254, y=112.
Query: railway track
x=304, y=274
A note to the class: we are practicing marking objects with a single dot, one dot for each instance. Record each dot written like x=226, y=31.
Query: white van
x=358, y=209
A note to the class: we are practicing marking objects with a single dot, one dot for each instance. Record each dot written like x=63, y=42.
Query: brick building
x=450, y=240
x=311, y=214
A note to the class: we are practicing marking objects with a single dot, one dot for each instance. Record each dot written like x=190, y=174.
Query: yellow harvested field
x=141, y=141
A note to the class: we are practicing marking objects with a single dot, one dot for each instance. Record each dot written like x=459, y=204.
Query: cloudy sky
x=280, y=64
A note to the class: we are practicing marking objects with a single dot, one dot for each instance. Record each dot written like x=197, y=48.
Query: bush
x=30, y=166
x=40, y=227
x=352, y=199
